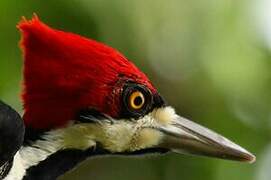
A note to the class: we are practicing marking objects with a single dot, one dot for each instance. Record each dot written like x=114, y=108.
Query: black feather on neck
x=60, y=162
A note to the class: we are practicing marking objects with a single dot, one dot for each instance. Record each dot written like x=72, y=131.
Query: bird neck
x=43, y=156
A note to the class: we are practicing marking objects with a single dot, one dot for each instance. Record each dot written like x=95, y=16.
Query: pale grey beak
x=186, y=137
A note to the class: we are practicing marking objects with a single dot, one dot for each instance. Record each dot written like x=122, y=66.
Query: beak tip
x=247, y=156
x=251, y=158
x=240, y=154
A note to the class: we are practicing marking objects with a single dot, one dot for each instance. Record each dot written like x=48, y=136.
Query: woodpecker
x=83, y=99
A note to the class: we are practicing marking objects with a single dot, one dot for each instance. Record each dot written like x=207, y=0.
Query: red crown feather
x=64, y=72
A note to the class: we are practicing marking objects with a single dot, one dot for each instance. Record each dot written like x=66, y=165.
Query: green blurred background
x=211, y=59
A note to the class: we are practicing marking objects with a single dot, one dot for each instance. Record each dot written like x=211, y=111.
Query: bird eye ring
x=136, y=100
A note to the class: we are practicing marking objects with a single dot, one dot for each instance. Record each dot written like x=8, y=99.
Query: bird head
x=84, y=94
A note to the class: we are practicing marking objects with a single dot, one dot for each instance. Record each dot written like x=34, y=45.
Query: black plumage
x=11, y=136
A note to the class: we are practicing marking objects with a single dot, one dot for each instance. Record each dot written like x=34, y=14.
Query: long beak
x=186, y=137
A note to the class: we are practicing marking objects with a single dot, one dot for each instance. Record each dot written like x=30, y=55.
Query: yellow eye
x=136, y=100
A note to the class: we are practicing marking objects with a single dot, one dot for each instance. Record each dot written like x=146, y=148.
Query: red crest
x=64, y=72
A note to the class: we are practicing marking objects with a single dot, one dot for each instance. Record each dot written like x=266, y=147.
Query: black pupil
x=138, y=101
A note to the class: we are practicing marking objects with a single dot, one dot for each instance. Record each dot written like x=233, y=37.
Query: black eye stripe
x=158, y=101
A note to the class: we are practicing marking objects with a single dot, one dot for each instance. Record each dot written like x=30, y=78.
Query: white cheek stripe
x=32, y=155
x=122, y=135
